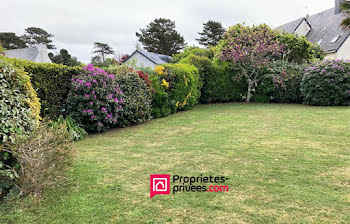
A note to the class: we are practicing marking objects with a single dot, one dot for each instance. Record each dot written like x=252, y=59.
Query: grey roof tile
x=324, y=26
x=154, y=57
x=30, y=53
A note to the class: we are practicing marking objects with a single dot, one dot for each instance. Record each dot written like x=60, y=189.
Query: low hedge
x=51, y=82
x=327, y=84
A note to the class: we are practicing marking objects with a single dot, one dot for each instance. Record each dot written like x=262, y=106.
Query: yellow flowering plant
x=165, y=83
x=159, y=69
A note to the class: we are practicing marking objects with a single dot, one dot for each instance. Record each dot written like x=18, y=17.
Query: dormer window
x=335, y=39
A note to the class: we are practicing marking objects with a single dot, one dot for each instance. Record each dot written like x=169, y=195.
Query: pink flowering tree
x=95, y=99
x=251, y=49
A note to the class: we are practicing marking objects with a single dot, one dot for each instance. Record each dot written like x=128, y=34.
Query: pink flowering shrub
x=95, y=99
x=327, y=84
x=250, y=49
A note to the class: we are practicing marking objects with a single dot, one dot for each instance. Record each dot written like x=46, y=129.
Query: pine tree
x=161, y=37
x=212, y=33
x=34, y=36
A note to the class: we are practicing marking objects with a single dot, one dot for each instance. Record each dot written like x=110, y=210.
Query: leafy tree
x=299, y=49
x=101, y=51
x=193, y=50
x=64, y=58
x=11, y=41
x=34, y=36
x=212, y=33
x=250, y=49
x=346, y=8
x=97, y=61
x=161, y=37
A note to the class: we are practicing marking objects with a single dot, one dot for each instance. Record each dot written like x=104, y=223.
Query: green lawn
x=285, y=164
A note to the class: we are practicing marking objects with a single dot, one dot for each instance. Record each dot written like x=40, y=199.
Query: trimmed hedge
x=327, y=84
x=218, y=80
x=181, y=82
x=51, y=82
x=161, y=103
x=137, y=105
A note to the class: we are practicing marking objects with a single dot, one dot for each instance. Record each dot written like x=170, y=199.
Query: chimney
x=337, y=8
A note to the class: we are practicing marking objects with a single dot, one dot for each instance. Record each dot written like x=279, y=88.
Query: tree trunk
x=249, y=93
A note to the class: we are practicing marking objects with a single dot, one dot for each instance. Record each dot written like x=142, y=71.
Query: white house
x=147, y=59
x=324, y=29
x=37, y=54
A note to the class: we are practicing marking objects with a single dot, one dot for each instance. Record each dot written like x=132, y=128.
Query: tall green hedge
x=137, y=97
x=183, y=85
x=51, y=82
x=219, y=83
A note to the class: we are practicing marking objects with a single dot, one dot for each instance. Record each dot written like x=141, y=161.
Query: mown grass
x=285, y=164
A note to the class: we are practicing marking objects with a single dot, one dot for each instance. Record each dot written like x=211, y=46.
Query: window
x=319, y=42
x=335, y=39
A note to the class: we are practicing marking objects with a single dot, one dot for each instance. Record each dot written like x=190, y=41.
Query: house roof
x=30, y=53
x=37, y=54
x=325, y=26
x=154, y=57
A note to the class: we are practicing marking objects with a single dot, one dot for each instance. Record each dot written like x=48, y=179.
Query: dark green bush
x=51, y=82
x=19, y=114
x=224, y=85
x=327, y=84
x=218, y=80
x=137, y=105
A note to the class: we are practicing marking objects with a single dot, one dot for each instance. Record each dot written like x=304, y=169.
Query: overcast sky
x=77, y=24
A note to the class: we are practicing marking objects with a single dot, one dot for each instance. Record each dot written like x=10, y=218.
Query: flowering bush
x=327, y=84
x=250, y=49
x=95, y=99
x=159, y=69
x=161, y=106
x=281, y=84
x=182, y=83
x=145, y=77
